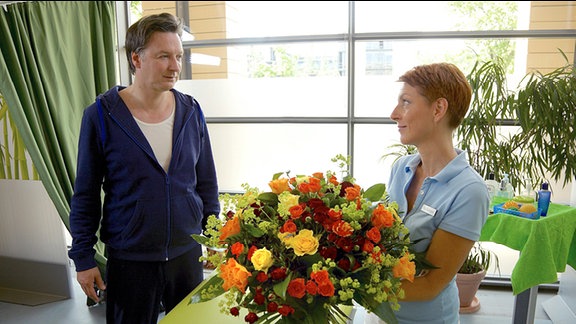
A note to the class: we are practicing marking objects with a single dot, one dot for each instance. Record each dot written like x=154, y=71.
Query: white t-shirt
x=159, y=136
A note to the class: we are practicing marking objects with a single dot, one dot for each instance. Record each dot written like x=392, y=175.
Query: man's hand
x=88, y=279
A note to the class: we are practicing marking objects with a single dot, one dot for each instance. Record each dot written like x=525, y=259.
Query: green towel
x=546, y=245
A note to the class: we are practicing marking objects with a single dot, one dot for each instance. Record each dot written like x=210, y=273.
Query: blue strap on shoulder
x=101, y=117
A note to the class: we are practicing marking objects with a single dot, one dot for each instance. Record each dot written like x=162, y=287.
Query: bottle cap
x=544, y=186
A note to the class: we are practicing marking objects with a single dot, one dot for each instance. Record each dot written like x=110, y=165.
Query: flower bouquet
x=313, y=243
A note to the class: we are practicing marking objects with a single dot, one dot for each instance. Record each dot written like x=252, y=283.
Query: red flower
x=328, y=252
x=289, y=227
x=326, y=289
x=345, y=243
x=278, y=274
x=234, y=311
x=344, y=264
x=311, y=287
x=259, y=298
x=296, y=288
x=271, y=307
x=251, y=317
x=286, y=310
x=315, y=203
x=261, y=276
x=320, y=276
x=251, y=251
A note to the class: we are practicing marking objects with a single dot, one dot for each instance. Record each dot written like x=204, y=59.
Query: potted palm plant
x=471, y=274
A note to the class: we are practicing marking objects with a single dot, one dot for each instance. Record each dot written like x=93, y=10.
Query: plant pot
x=468, y=285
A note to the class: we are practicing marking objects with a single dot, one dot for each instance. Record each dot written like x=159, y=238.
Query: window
x=293, y=83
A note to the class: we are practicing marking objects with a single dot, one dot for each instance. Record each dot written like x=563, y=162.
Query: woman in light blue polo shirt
x=442, y=200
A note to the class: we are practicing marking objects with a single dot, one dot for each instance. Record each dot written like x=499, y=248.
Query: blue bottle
x=543, y=199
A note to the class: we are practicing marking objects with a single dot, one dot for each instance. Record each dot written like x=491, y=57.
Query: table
x=209, y=312
x=546, y=246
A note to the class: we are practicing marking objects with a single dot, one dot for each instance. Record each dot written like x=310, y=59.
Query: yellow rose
x=304, y=243
x=286, y=201
x=286, y=238
x=301, y=179
x=262, y=259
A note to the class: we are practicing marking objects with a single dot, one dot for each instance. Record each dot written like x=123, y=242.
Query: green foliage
x=486, y=15
x=540, y=115
x=13, y=156
x=399, y=150
x=479, y=259
x=282, y=65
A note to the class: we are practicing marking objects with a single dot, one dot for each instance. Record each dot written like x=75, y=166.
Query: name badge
x=429, y=210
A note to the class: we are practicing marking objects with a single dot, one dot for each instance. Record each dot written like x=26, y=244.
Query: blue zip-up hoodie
x=148, y=214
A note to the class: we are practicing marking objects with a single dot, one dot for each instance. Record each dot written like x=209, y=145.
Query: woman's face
x=414, y=116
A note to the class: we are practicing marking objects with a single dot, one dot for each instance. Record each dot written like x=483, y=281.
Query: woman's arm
x=447, y=251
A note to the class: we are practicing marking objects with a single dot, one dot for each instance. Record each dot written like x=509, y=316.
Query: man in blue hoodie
x=147, y=147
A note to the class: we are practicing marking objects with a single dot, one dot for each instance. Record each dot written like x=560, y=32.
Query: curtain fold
x=57, y=56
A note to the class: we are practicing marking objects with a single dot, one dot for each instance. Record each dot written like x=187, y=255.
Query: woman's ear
x=440, y=108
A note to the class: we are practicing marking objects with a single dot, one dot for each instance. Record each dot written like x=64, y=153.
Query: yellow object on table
x=209, y=312
x=546, y=245
x=206, y=312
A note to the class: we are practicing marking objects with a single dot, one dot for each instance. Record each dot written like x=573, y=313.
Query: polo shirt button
x=421, y=192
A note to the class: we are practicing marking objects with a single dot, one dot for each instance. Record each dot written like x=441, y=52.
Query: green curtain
x=57, y=56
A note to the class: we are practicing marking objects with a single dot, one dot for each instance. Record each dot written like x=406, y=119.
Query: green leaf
x=376, y=192
x=281, y=287
x=253, y=230
x=277, y=175
x=200, y=239
x=268, y=198
x=215, y=281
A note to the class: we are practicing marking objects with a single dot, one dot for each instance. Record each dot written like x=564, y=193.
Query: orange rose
x=381, y=217
x=333, y=180
x=234, y=275
x=278, y=186
x=232, y=227
x=315, y=184
x=373, y=234
x=335, y=215
x=318, y=175
x=352, y=192
x=237, y=248
x=296, y=211
x=405, y=268
x=342, y=228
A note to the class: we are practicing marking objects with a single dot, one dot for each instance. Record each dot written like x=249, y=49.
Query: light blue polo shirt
x=455, y=200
